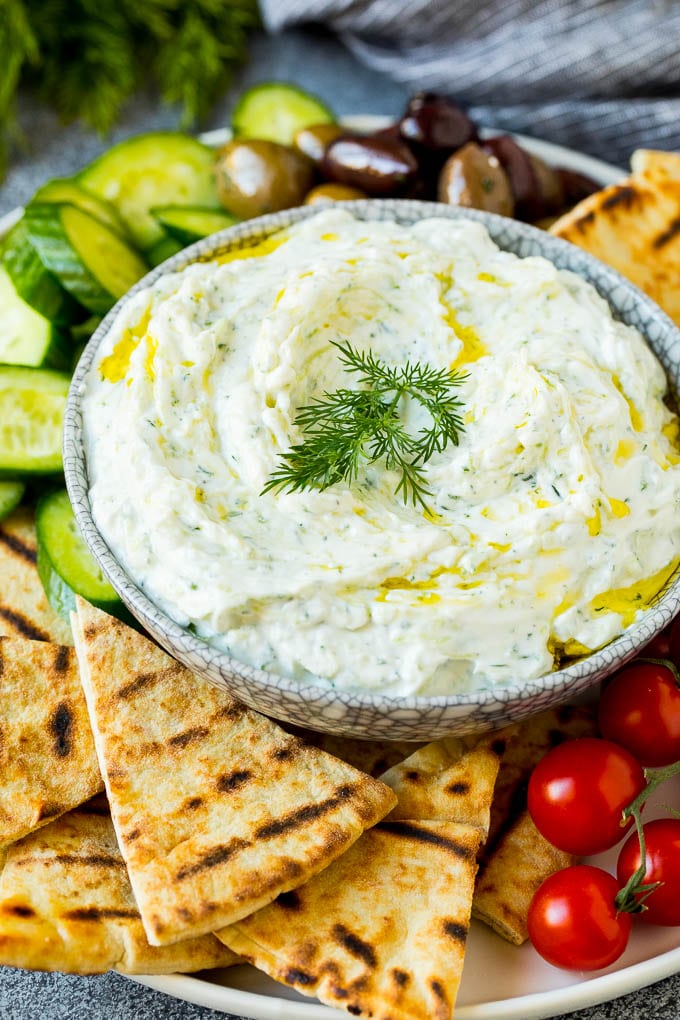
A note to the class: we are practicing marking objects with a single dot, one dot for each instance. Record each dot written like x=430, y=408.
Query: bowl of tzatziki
x=387, y=468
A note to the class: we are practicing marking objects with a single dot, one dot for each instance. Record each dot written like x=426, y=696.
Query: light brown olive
x=255, y=177
x=475, y=179
x=312, y=141
x=324, y=193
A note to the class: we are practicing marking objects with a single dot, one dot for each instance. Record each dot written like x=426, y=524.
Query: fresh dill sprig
x=349, y=426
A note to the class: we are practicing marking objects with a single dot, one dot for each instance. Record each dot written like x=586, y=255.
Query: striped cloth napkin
x=602, y=76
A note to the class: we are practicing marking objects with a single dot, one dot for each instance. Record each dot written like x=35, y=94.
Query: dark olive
x=576, y=186
x=550, y=186
x=324, y=193
x=312, y=141
x=378, y=166
x=474, y=178
x=435, y=123
x=523, y=180
x=256, y=177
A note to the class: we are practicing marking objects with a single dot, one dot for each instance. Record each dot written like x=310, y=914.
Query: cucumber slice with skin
x=65, y=564
x=163, y=249
x=33, y=282
x=92, y=263
x=11, y=494
x=26, y=337
x=32, y=402
x=275, y=111
x=190, y=223
x=67, y=189
x=162, y=168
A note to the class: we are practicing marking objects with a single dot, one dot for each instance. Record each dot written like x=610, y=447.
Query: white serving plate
x=500, y=981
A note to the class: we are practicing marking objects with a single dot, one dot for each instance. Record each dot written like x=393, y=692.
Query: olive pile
x=434, y=152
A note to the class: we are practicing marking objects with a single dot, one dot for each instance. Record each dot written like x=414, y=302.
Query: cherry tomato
x=578, y=791
x=662, y=846
x=640, y=709
x=573, y=921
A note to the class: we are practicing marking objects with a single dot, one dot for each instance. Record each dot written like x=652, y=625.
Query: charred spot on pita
x=355, y=945
x=210, y=859
x=293, y=976
x=15, y=545
x=671, y=231
x=409, y=831
x=289, y=900
x=438, y=989
x=99, y=913
x=458, y=788
x=62, y=659
x=22, y=625
x=498, y=746
x=301, y=816
x=400, y=977
x=17, y=910
x=61, y=726
x=183, y=739
x=622, y=195
x=456, y=931
x=232, y=780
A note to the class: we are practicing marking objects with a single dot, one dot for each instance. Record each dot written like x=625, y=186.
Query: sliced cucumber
x=67, y=189
x=163, y=168
x=190, y=223
x=65, y=564
x=26, y=337
x=32, y=402
x=33, y=282
x=92, y=263
x=11, y=494
x=276, y=111
x=162, y=250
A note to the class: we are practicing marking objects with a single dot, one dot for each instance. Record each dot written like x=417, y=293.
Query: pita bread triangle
x=634, y=226
x=48, y=763
x=24, y=609
x=66, y=904
x=217, y=809
x=381, y=932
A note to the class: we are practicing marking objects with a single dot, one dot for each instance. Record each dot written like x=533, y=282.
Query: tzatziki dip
x=549, y=527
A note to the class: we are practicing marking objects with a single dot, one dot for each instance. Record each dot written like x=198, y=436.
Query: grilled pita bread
x=24, y=609
x=370, y=756
x=217, y=809
x=48, y=763
x=381, y=932
x=634, y=226
x=66, y=904
x=522, y=860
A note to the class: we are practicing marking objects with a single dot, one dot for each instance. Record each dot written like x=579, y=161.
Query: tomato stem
x=631, y=899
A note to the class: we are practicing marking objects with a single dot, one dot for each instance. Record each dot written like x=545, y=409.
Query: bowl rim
x=583, y=671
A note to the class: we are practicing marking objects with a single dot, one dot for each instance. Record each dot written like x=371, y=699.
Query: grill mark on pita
x=355, y=945
x=211, y=858
x=583, y=222
x=284, y=753
x=181, y=740
x=289, y=900
x=144, y=680
x=130, y=837
x=233, y=780
x=17, y=909
x=61, y=727
x=309, y=813
x=672, y=231
x=623, y=195
x=355, y=1010
x=192, y=803
x=438, y=989
x=498, y=746
x=91, y=860
x=15, y=545
x=409, y=831
x=61, y=659
x=456, y=931
x=233, y=711
x=413, y=775
x=400, y=977
x=458, y=788
x=23, y=625
x=293, y=976
x=99, y=913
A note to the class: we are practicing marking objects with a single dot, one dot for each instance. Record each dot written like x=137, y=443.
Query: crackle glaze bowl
x=358, y=713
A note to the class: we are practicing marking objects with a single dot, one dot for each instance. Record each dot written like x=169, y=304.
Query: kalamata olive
x=550, y=186
x=256, y=177
x=523, y=180
x=576, y=186
x=377, y=166
x=312, y=141
x=474, y=178
x=435, y=123
x=324, y=193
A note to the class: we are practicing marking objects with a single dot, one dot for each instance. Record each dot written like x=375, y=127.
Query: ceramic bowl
x=320, y=706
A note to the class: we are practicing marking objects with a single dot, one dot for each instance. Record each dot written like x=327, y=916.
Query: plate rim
x=532, y=1006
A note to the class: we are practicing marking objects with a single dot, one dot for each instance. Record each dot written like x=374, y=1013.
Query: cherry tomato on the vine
x=573, y=921
x=578, y=791
x=640, y=709
x=662, y=846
